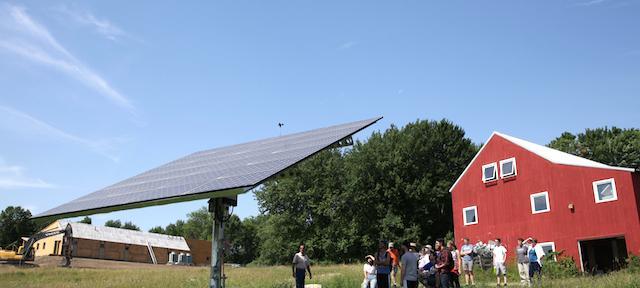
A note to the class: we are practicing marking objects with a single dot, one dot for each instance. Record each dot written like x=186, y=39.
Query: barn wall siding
x=116, y=251
x=504, y=209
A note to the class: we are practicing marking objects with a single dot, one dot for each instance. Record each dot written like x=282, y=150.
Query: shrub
x=633, y=263
x=562, y=267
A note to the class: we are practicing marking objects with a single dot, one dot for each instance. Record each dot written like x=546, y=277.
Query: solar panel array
x=237, y=166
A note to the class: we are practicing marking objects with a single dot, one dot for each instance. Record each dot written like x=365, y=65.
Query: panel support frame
x=219, y=209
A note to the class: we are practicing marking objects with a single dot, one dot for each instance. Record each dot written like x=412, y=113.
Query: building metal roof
x=125, y=236
x=552, y=155
x=211, y=173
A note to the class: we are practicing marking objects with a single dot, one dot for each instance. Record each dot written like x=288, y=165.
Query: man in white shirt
x=499, y=258
x=409, y=267
x=300, y=265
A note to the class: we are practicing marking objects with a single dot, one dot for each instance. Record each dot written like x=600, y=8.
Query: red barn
x=514, y=188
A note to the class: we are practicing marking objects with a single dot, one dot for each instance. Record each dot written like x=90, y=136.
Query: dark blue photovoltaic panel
x=196, y=176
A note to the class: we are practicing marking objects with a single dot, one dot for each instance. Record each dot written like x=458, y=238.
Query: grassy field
x=329, y=276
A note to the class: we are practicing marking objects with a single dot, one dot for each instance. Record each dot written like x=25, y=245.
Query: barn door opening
x=603, y=255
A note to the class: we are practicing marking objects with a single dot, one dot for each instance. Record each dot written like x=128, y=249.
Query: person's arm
x=459, y=259
x=293, y=266
x=402, y=270
x=309, y=270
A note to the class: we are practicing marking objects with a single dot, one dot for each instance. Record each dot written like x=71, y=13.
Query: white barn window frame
x=597, y=193
x=514, y=170
x=532, y=197
x=475, y=215
x=547, y=244
x=494, y=176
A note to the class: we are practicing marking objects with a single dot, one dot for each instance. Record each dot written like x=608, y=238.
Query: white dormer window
x=489, y=172
x=470, y=215
x=605, y=190
x=508, y=168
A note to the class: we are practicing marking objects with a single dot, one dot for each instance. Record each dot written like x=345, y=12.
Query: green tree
x=612, y=146
x=158, y=229
x=242, y=239
x=15, y=222
x=113, y=223
x=199, y=225
x=86, y=220
x=130, y=226
x=393, y=186
x=175, y=229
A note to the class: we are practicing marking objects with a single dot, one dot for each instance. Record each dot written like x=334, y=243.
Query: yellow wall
x=46, y=246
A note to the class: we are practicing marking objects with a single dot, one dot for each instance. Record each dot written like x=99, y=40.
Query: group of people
x=437, y=266
x=442, y=264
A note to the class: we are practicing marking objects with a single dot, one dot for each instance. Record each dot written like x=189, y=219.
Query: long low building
x=99, y=242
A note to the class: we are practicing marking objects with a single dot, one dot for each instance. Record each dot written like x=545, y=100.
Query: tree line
x=340, y=202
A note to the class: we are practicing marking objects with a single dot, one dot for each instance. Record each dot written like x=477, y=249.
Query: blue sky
x=96, y=92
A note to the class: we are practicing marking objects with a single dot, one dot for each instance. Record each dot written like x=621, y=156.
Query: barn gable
x=552, y=155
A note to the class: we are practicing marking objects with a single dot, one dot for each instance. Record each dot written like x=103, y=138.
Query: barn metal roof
x=125, y=236
x=211, y=173
x=550, y=154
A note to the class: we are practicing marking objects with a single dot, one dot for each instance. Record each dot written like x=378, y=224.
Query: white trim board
x=464, y=215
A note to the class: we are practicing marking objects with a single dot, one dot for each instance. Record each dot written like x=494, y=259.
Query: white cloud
x=591, y=2
x=20, y=122
x=25, y=37
x=348, y=45
x=101, y=26
x=13, y=177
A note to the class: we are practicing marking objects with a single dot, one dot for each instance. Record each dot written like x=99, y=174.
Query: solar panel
x=210, y=173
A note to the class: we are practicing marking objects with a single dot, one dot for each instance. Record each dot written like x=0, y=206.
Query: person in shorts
x=466, y=253
x=395, y=261
x=499, y=257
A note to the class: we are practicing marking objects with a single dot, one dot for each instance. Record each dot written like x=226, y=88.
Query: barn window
x=508, y=168
x=548, y=247
x=540, y=203
x=605, y=190
x=489, y=172
x=470, y=215
x=38, y=246
x=44, y=245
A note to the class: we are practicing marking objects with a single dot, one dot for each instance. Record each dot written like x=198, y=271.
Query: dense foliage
x=15, y=222
x=86, y=220
x=117, y=224
x=612, y=146
x=394, y=186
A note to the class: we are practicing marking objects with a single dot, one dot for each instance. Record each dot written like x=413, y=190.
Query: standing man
x=409, y=266
x=444, y=264
x=300, y=265
x=499, y=258
x=466, y=252
x=522, y=258
x=536, y=254
x=383, y=265
x=395, y=260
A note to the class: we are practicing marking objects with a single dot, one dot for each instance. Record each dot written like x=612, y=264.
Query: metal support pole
x=217, y=209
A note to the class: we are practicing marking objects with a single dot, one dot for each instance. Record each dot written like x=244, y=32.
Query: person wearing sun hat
x=369, y=270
